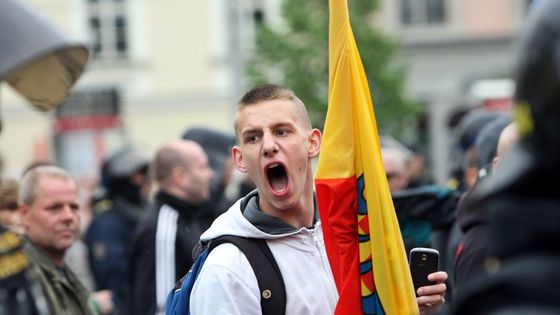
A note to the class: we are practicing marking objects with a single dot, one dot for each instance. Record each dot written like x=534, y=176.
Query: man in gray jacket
x=49, y=207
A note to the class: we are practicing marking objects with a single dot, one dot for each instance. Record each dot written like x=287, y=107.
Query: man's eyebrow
x=252, y=130
x=249, y=131
x=61, y=204
x=54, y=204
x=283, y=124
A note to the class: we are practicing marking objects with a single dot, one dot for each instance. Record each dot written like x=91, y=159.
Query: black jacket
x=108, y=238
x=161, y=251
x=472, y=251
x=525, y=279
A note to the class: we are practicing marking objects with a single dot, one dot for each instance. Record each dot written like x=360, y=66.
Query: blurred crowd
x=145, y=217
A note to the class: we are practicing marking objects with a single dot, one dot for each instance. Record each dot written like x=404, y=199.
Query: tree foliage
x=296, y=56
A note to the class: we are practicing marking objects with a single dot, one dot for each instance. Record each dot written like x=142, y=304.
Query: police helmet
x=124, y=162
x=538, y=80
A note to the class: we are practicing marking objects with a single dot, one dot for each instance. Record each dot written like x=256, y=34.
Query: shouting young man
x=276, y=147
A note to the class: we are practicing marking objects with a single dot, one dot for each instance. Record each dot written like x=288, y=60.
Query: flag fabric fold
x=362, y=235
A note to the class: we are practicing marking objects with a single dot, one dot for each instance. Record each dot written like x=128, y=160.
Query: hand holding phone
x=423, y=261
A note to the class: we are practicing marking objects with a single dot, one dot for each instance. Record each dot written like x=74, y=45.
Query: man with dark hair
x=276, y=146
x=163, y=241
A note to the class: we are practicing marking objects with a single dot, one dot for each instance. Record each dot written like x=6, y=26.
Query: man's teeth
x=273, y=165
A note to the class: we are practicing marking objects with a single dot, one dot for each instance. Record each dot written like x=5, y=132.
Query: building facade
x=159, y=67
x=156, y=69
x=450, y=48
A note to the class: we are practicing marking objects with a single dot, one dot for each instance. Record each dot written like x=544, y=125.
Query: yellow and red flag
x=362, y=234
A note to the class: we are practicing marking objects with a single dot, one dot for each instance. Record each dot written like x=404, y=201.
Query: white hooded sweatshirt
x=228, y=285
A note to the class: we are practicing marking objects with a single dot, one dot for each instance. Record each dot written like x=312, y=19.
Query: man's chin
x=65, y=243
x=283, y=202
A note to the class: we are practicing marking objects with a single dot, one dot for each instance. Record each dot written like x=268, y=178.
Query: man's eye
x=282, y=132
x=251, y=139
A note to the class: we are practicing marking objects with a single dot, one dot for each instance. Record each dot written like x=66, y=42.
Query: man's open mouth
x=277, y=176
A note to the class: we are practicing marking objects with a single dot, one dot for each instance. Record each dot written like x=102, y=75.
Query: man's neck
x=56, y=258
x=298, y=215
x=53, y=255
x=174, y=191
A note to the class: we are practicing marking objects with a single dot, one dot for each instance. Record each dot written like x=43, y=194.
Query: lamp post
x=36, y=58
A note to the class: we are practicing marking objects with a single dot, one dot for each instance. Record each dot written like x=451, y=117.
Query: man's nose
x=269, y=145
x=68, y=213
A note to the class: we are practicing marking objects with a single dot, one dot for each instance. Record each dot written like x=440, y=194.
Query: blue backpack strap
x=178, y=300
x=269, y=277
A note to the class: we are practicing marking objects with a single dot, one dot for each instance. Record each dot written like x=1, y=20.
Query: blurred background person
x=487, y=143
x=467, y=130
x=20, y=290
x=417, y=168
x=508, y=137
x=76, y=257
x=40, y=63
x=125, y=188
x=228, y=184
x=521, y=204
x=425, y=212
x=467, y=126
x=420, y=210
x=396, y=162
x=163, y=242
x=50, y=202
x=472, y=249
x=9, y=215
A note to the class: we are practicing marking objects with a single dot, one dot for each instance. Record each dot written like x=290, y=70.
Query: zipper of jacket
x=324, y=262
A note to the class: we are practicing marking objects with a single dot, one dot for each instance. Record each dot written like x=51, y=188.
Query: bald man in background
x=163, y=242
x=508, y=138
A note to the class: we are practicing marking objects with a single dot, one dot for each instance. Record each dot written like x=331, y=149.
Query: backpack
x=269, y=278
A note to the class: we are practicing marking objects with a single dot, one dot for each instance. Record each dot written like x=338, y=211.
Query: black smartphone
x=423, y=261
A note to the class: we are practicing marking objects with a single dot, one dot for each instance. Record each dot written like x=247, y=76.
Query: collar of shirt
x=267, y=223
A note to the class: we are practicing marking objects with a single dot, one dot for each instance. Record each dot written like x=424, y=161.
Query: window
x=258, y=16
x=258, y=12
x=108, y=27
x=422, y=12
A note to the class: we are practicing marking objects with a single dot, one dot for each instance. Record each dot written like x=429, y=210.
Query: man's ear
x=178, y=174
x=315, y=138
x=24, y=214
x=495, y=162
x=238, y=159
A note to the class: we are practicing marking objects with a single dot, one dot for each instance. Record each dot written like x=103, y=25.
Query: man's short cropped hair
x=29, y=184
x=269, y=92
x=166, y=160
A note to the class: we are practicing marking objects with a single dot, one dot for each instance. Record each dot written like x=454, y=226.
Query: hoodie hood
x=245, y=219
x=469, y=216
